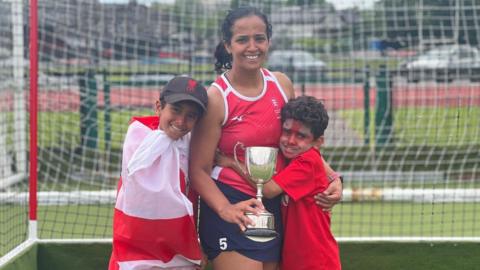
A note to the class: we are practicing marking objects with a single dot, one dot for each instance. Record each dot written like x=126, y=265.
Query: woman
x=244, y=106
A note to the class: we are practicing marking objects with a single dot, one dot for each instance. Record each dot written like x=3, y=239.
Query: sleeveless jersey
x=249, y=121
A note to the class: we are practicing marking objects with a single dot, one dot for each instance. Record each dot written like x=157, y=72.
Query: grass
x=349, y=219
x=366, y=219
x=412, y=126
x=406, y=219
x=424, y=126
x=75, y=221
x=63, y=128
x=438, y=139
x=354, y=256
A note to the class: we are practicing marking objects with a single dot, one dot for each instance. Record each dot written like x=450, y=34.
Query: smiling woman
x=244, y=107
x=244, y=100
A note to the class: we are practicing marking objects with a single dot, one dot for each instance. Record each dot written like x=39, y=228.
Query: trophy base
x=260, y=234
x=264, y=229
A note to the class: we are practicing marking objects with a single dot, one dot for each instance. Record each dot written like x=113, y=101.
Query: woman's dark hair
x=223, y=58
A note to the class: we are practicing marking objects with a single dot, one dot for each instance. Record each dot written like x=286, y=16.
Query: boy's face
x=177, y=119
x=296, y=138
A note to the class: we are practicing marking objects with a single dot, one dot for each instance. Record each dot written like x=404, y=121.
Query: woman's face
x=249, y=44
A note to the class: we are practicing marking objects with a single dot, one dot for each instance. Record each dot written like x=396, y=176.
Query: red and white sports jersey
x=153, y=224
x=251, y=121
x=307, y=234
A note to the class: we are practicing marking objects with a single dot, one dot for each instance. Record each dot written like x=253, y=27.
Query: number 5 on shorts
x=223, y=243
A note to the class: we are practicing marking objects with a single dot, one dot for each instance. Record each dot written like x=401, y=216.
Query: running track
x=335, y=96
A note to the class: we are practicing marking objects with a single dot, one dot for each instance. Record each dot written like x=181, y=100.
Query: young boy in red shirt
x=308, y=240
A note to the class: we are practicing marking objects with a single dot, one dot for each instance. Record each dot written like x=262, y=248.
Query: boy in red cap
x=153, y=223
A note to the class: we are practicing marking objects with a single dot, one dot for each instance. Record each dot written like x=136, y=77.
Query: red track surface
x=403, y=95
x=336, y=96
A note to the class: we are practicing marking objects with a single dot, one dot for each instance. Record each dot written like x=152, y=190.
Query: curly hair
x=223, y=58
x=308, y=110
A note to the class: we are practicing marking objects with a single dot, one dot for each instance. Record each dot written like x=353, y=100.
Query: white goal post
x=13, y=153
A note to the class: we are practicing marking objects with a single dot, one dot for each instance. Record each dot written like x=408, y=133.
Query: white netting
x=404, y=128
x=13, y=139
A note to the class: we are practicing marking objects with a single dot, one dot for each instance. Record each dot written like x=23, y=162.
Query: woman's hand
x=331, y=196
x=235, y=213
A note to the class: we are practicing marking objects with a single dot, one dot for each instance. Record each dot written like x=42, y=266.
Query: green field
x=362, y=219
x=64, y=127
x=354, y=256
x=387, y=219
x=449, y=143
x=371, y=219
x=412, y=126
x=425, y=126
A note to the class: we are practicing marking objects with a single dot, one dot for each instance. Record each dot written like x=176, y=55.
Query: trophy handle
x=236, y=158
x=235, y=153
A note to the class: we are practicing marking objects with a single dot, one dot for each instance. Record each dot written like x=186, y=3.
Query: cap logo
x=191, y=86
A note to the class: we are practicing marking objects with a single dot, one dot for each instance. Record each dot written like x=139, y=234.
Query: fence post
x=88, y=110
x=383, y=109
x=107, y=108
x=366, y=105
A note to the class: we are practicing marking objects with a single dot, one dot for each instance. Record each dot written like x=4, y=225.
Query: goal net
x=400, y=80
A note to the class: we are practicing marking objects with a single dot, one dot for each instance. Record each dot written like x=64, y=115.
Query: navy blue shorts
x=217, y=235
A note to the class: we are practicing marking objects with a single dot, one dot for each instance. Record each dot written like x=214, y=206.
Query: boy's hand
x=331, y=196
x=222, y=160
x=227, y=162
x=235, y=213
x=203, y=262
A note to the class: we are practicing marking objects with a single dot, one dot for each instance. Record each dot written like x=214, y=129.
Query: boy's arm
x=270, y=189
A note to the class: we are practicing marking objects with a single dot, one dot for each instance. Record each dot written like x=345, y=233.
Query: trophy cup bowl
x=260, y=162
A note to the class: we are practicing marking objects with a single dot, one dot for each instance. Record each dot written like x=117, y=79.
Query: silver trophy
x=260, y=162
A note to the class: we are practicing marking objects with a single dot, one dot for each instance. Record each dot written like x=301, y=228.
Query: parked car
x=444, y=63
x=300, y=66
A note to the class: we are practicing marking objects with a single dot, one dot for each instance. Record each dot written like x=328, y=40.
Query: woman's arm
x=333, y=194
x=205, y=137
